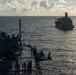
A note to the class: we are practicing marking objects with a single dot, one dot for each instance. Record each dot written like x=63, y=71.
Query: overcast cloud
x=37, y=7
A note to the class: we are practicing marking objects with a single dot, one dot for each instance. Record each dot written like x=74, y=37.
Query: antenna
x=20, y=30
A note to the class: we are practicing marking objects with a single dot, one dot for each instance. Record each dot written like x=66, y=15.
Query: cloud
x=18, y=6
x=34, y=3
x=62, y=1
x=43, y=4
x=37, y=6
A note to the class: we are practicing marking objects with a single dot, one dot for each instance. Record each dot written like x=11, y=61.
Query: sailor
x=13, y=36
x=30, y=63
x=17, y=66
x=49, y=57
x=24, y=67
x=28, y=66
x=34, y=51
x=41, y=54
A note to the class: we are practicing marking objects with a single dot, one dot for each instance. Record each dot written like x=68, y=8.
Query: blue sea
x=41, y=32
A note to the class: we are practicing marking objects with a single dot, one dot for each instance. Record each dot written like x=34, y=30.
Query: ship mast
x=20, y=30
x=66, y=14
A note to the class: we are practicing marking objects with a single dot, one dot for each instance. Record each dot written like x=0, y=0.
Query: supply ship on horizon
x=64, y=23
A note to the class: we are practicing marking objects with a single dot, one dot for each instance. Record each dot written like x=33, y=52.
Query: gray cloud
x=34, y=3
x=36, y=6
x=43, y=4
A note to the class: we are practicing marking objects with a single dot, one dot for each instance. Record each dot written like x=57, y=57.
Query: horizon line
x=35, y=16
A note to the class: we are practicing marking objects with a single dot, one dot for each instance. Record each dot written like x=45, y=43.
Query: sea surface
x=41, y=32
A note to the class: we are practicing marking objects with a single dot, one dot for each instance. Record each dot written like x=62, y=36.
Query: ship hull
x=64, y=28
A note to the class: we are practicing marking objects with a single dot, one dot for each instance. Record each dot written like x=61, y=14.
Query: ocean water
x=41, y=32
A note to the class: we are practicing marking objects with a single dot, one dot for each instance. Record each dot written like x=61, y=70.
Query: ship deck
x=26, y=55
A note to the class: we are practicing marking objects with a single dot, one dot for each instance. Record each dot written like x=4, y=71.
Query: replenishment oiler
x=64, y=23
x=12, y=59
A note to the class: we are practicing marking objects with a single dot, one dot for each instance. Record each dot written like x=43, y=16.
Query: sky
x=37, y=7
